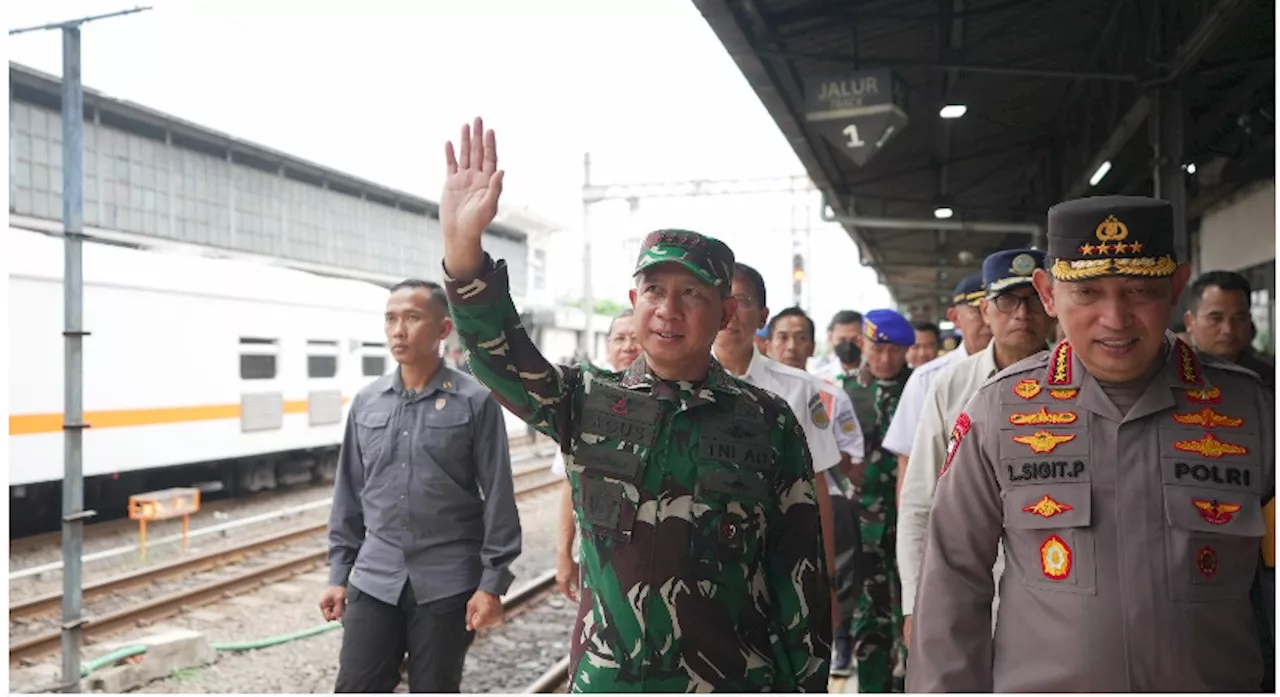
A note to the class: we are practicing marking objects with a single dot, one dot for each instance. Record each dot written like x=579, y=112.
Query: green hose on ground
x=139, y=649
x=276, y=640
x=112, y=658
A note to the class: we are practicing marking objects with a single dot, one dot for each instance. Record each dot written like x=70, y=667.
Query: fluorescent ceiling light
x=953, y=111
x=1102, y=172
x=942, y=213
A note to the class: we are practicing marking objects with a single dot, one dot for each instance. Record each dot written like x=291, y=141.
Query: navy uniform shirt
x=424, y=492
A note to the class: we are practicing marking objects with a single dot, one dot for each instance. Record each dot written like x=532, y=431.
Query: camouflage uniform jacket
x=701, y=560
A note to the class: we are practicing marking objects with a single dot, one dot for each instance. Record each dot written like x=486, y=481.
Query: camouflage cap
x=706, y=257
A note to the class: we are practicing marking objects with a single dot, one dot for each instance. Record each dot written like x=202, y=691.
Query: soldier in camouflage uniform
x=878, y=648
x=702, y=560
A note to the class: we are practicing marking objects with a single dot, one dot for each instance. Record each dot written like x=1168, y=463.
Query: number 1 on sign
x=852, y=132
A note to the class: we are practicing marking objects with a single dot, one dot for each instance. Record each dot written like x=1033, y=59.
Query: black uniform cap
x=1111, y=236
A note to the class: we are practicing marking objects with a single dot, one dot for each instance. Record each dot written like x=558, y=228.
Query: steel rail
x=169, y=605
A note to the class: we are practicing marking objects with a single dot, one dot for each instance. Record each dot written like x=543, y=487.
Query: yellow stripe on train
x=30, y=424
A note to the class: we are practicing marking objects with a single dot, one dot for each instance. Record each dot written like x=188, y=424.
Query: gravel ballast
x=505, y=658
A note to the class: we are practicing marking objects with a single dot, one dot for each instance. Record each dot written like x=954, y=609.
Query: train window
x=322, y=366
x=373, y=359
x=258, y=358
x=322, y=358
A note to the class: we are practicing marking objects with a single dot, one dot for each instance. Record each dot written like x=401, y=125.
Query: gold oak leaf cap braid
x=1105, y=236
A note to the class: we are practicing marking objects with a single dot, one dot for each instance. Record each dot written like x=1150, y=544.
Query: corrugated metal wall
x=146, y=186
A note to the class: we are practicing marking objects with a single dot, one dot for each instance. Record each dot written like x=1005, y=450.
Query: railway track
x=151, y=610
x=555, y=679
x=521, y=447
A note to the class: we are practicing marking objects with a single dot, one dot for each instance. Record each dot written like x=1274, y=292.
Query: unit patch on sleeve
x=1043, y=441
x=1027, y=389
x=1215, y=512
x=1210, y=447
x=1046, y=507
x=1043, y=417
x=1055, y=558
x=1207, y=561
x=1208, y=418
x=818, y=412
x=958, y=432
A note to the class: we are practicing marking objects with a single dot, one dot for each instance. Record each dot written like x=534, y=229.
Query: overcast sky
x=375, y=88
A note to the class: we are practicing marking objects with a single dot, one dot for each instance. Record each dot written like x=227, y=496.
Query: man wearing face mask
x=974, y=333
x=1020, y=328
x=1129, y=479
x=877, y=626
x=844, y=336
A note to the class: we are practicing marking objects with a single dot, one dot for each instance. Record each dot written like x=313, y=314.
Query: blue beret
x=888, y=327
x=1009, y=268
x=968, y=290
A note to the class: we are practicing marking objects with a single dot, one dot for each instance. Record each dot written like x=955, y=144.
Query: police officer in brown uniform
x=1129, y=478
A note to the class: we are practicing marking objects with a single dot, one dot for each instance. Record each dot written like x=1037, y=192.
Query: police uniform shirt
x=848, y=433
x=945, y=400
x=902, y=428
x=800, y=391
x=1132, y=539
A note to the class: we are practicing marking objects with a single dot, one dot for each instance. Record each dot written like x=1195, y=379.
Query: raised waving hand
x=469, y=201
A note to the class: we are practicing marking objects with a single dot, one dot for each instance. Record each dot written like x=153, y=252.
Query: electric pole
x=73, y=513
x=588, y=300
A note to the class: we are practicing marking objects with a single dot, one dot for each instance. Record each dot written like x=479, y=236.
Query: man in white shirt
x=966, y=315
x=1020, y=328
x=791, y=342
x=622, y=350
x=735, y=349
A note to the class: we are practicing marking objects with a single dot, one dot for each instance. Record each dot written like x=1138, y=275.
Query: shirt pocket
x=1049, y=537
x=727, y=518
x=372, y=436
x=1212, y=542
x=445, y=437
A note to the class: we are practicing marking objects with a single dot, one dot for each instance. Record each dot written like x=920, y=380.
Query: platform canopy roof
x=1051, y=91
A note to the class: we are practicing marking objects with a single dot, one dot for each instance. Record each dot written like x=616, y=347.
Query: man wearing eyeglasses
x=1019, y=328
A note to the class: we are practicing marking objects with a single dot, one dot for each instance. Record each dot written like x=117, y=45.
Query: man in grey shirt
x=424, y=523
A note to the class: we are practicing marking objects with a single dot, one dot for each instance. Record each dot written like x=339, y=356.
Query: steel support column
x=73, y=333
x=1167, y=140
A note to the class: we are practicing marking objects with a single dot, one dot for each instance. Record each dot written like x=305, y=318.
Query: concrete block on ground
x=37, y=677
x=114, y=680
x=171, y=650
